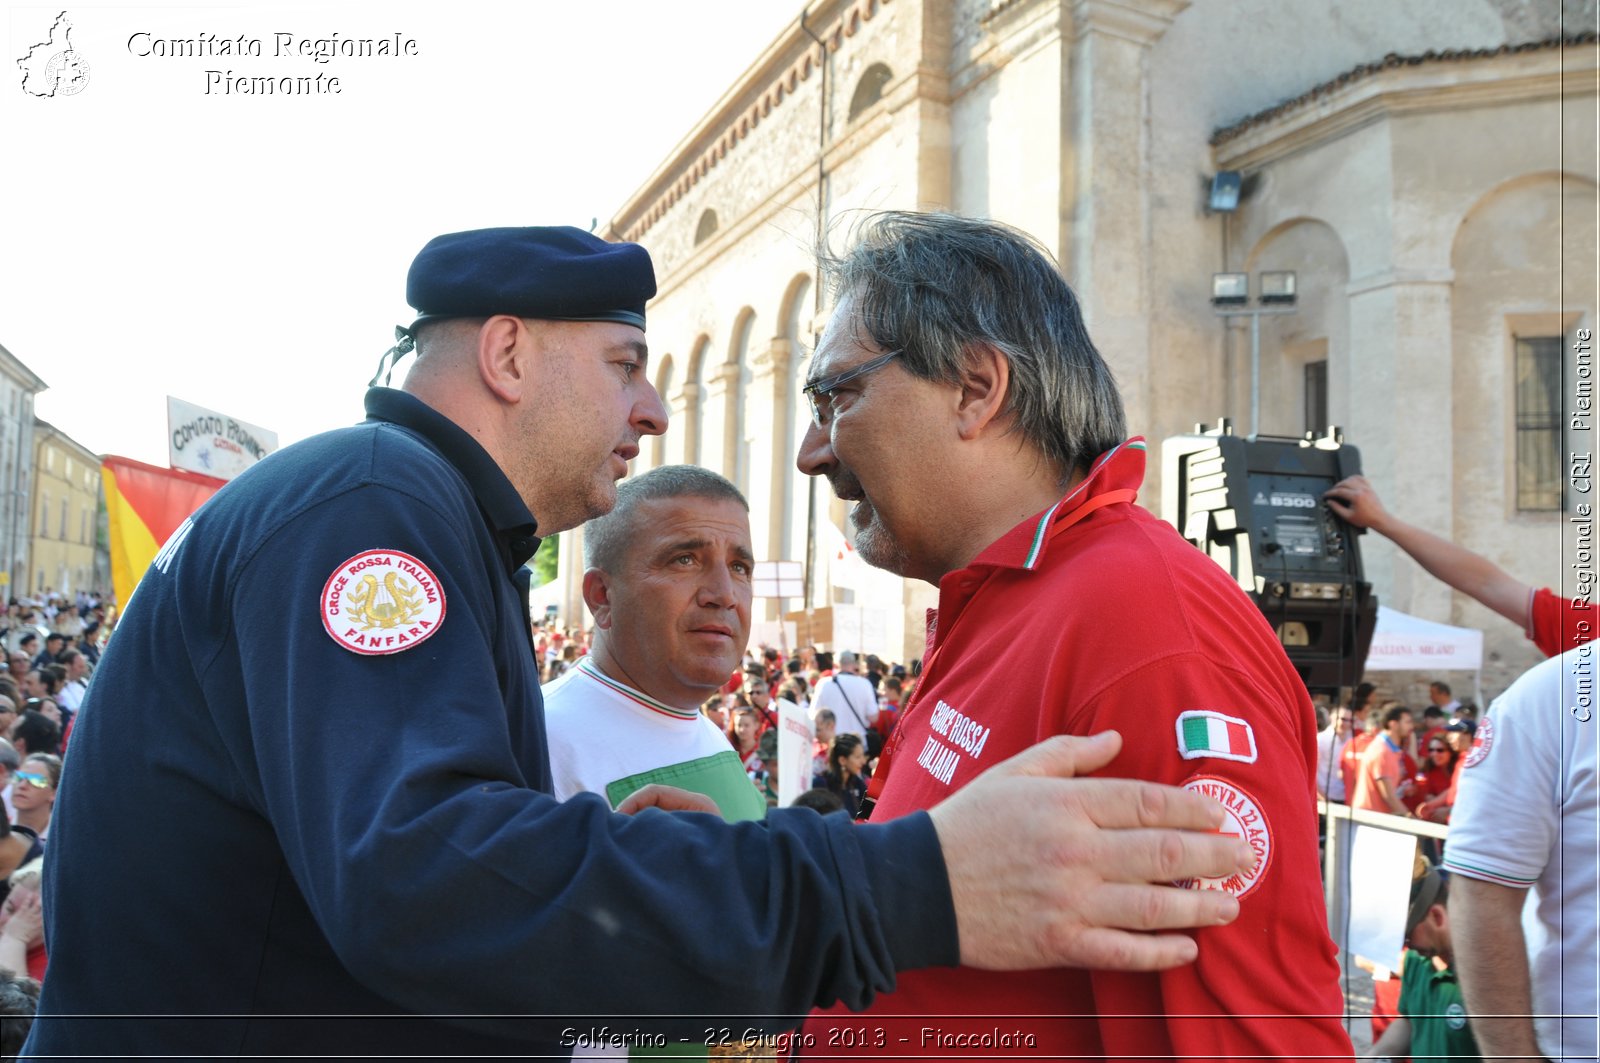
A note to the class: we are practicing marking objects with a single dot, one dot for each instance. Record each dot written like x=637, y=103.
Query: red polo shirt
x=1096, y=615
x=1557, y=624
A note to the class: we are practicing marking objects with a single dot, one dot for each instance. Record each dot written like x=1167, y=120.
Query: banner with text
x=211, y=443
x=794, y=752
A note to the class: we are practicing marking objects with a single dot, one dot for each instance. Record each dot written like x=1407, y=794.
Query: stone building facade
x=1428, y=169
x=66, y=511
x=18, y=386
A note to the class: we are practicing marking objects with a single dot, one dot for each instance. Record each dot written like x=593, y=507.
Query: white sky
x=248, y=253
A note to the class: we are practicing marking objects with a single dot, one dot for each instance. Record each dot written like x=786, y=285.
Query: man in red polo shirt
x=959, y=403
x=1382, y=778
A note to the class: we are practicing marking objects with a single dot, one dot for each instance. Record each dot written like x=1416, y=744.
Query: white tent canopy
x=1409, y=643
x=543, y=596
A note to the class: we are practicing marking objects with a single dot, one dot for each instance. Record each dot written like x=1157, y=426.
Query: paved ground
x=1358, y=1005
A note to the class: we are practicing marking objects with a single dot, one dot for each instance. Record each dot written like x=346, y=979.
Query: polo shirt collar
x=504, y=508
x=1120, y=468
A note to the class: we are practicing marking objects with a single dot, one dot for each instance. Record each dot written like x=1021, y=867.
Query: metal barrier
x=1336, y=838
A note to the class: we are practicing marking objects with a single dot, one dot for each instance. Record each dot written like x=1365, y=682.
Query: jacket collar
x=506, y=512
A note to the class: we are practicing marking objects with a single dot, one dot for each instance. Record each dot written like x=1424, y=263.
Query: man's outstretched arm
x=1476, y=576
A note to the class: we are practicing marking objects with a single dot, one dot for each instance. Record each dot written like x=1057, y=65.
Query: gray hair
x=605, y=538
x=10, y=759
x=933, y=286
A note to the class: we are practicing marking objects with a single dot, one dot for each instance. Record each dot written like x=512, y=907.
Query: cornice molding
x=1559, y=46
x=769, y=82
x=1140, y=21
x=1398, y=91
x=18, y=370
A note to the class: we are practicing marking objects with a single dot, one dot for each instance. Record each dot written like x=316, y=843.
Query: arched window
x=869, y=90
x=707, y=226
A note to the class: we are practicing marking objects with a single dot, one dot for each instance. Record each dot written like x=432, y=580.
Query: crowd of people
x=51, y=648
x=1399, y=761
x=842, y=760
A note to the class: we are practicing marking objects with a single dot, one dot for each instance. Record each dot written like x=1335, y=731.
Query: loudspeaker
x=1254, y=505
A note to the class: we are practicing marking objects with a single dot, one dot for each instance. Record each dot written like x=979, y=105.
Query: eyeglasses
x=37, y=781
x=1438, y=749
x=819, y=391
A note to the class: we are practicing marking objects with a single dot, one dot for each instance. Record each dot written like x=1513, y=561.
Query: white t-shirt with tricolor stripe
x=1526, y=816
x=607, y=738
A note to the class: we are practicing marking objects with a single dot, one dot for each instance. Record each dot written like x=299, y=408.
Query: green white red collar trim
x=1040, y=531
x=587, y=666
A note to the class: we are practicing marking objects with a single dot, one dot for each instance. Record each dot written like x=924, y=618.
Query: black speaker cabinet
x=1254, y=505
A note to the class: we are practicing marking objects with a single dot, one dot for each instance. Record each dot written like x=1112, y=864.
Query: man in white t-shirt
x=1439, y=694
x=1526, y=817
x=1330, y=746
x=850, y=695
x=669, y=584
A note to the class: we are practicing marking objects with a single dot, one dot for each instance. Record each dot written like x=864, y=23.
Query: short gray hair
x=10, y=759
x=605, y=538
x=934, y=285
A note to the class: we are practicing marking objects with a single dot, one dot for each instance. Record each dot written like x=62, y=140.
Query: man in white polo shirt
x=1525, y=818
x=669, y=586
x=850, y=695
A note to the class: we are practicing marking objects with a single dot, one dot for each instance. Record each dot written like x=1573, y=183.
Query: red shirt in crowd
x=1350, y=761
x=1382, y=759
x=1096, y=615
x=1429, y=782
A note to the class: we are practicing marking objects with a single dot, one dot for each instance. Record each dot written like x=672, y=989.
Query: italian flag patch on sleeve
x=1211, y=734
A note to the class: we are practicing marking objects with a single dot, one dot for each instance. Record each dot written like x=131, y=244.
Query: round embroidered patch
x=1244, y=819
x=1482, y=740
x=381, y=601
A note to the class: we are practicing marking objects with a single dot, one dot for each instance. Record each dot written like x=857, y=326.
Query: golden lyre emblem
x=390, y=604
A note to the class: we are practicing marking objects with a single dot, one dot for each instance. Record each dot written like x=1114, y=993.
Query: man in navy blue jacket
x=309, y=806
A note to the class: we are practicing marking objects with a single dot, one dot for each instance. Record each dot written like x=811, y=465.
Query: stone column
x=767, y=428
x=683, y=444
x=719, y=435
x=1105, y=208
x=569, y=576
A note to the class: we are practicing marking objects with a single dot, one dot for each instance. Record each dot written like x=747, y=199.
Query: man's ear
x=505, y=353
x=985, y=383
x=597, y=596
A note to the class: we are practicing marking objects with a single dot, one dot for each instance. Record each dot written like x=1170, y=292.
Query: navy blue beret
x=555, y=272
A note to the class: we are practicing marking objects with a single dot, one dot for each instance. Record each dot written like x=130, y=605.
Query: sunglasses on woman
x=34, y=779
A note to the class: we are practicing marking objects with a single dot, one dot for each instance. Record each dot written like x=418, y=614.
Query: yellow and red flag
x=145, y=505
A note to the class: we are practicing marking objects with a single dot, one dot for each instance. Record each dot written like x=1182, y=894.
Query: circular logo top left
x=382, y=601
x=67, y=73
